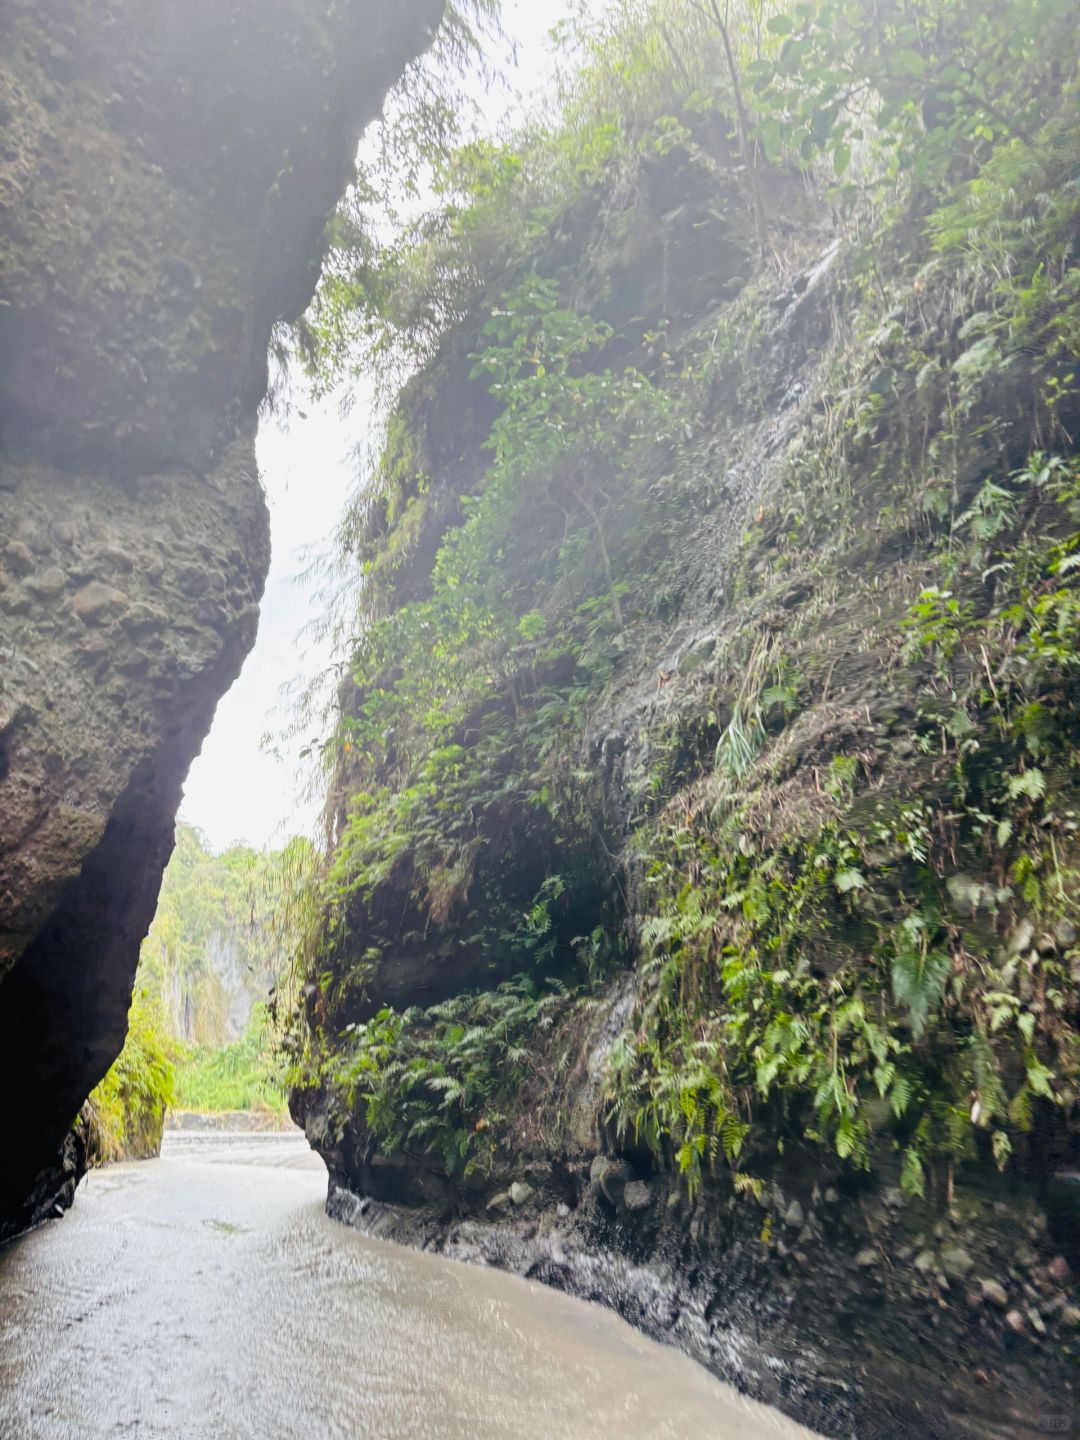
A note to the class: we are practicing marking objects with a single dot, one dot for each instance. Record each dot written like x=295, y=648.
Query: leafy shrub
x=125, y=1114
x=436, y=1078
x=239, y=1076
x=760, y=1006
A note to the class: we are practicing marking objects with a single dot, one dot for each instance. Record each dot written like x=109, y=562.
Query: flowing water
x=205, y=1295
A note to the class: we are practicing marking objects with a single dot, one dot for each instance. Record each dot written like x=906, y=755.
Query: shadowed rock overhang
x=165, y=176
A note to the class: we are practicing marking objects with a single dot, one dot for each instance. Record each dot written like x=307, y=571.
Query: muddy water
x=206, y=1295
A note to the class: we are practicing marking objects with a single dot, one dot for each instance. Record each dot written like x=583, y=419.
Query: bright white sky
x=236, y=789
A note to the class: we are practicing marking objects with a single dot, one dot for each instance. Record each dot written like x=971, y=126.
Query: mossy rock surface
x=791, y=664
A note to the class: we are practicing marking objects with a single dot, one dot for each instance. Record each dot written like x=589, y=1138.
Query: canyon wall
x=700, y=934
x=165, y=176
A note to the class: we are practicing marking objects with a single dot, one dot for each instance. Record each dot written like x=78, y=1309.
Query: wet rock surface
x=828, y=1292
x=793, y=1321
x=165, y=176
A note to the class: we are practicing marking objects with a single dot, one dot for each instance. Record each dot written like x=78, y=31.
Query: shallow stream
x=206, y=1295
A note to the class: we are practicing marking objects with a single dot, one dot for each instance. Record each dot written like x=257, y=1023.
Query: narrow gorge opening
x=660, y=880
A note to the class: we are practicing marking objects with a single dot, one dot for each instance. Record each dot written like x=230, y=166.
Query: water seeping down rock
x=165, y=174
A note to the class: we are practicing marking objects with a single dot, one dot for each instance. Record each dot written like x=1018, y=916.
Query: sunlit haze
x=239, y=788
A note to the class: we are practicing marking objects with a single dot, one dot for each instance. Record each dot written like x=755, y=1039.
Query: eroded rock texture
x=165, y=173
x=613, y=901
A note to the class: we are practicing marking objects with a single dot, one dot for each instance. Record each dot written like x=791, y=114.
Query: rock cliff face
x=165, y=174
x=704, y=941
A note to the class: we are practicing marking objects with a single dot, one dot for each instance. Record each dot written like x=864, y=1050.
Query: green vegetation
x=443, y=1078
x=203, y=1032
x=238, y=1076
x=125, y=1114
x=838, y=842
x=932, y=1001
x=220, y=938
x=925, y=89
